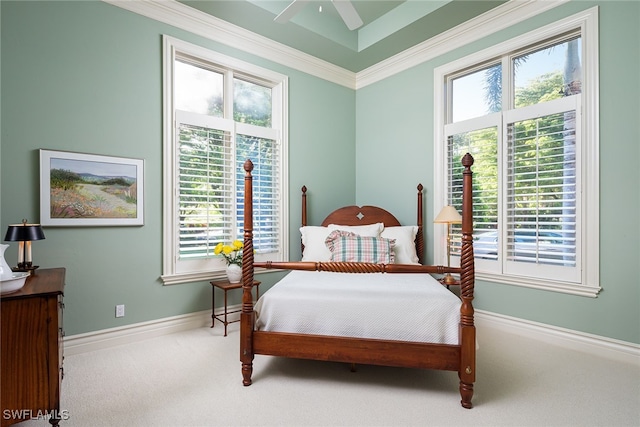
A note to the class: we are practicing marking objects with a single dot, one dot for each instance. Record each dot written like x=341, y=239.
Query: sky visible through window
x=469, y=92
x=195, y=87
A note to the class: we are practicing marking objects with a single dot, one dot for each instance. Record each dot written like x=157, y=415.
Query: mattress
x=400, y=307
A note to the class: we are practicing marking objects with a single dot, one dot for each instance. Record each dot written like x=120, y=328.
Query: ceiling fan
x=345, y=9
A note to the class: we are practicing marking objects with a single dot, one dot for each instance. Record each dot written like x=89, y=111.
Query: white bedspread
x=403, y=307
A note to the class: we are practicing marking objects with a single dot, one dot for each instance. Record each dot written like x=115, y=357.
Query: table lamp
x=448, y=215
x=24, y=234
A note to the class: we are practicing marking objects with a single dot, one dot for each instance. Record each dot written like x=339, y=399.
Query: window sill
x=176, y=279
x=545, y=285
x=202, y=276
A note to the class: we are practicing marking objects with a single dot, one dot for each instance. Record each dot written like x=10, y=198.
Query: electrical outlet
x=120, y=310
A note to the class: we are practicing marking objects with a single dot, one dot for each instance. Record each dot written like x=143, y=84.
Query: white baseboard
x=610, y=348
x=105, y=338
x=606, y=347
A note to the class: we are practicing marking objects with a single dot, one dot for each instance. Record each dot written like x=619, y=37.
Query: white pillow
x=313, y=238
x=371, y=230
x=405, y=248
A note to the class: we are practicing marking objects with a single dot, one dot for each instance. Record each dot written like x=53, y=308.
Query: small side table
x=443, y=283
x=226, y=286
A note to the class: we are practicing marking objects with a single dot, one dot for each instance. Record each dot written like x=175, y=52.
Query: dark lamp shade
x=24, y=233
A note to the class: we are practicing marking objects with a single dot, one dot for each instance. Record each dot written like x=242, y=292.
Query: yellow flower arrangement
x=232, y=253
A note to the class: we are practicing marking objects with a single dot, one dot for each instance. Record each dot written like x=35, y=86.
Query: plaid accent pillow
x=349, y=247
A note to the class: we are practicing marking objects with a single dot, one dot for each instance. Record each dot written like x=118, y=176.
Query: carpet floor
x=193, y=378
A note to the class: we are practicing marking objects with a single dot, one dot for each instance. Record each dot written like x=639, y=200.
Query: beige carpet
x=193, y=379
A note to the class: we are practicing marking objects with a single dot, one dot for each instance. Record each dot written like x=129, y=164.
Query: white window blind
x=205, y=190
x=479, y=137
x=211, y=184
x=267, y=237
x=542, y=190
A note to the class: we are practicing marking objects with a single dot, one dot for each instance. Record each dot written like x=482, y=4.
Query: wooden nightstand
x=226, y=286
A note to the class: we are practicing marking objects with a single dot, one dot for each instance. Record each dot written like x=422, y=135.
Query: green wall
x=403, y=131
x=86, y=76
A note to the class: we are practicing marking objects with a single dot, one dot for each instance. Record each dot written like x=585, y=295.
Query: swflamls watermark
x=30, y=414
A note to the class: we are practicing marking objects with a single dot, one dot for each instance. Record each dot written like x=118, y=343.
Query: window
x=527, y=111
x=219, y=112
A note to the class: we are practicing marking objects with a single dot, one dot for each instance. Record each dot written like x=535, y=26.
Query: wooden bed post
x=419, y=222
x=467, y=372
x=304, y=213
x=304, y=205
x=246, y=316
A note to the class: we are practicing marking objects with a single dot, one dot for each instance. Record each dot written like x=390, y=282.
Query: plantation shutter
x=542, y=189
x=218, y=112
x=480, y=138
x=206, y=187
x=261, y=147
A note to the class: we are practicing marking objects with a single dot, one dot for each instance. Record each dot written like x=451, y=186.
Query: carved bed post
x=419, y=222
x=246, y=316
x=467, y=372
x=304, y=213
x=304, y=205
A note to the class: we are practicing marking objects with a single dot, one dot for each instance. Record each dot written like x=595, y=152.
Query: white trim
x=106, y=338
x=610, y=348
x=178, y=278
x=207, y=276
x=196, y=22
x=621, y=351
x=591, y=149
x=186, y=18
x=499, y=18
x=169, y=240
x=541, y=284
x=174, y=270
x=586, y=20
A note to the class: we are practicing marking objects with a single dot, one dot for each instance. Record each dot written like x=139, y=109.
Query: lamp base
x=30, y=268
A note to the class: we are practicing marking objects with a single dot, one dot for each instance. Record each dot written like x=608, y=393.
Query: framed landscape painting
x=78, y=189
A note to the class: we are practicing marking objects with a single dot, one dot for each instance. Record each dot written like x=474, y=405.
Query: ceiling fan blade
x=290, y=11
x=348, y=13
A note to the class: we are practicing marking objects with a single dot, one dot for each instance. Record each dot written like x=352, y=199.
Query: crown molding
x=194, y=21
x=497, y=19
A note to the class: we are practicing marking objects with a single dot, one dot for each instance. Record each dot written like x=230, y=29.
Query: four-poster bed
x=443, y=354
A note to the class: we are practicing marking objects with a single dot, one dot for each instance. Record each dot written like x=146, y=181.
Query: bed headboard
x=365, y=215
x=360, y=215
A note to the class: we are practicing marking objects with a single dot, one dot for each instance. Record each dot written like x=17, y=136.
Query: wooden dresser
x=31, y=335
